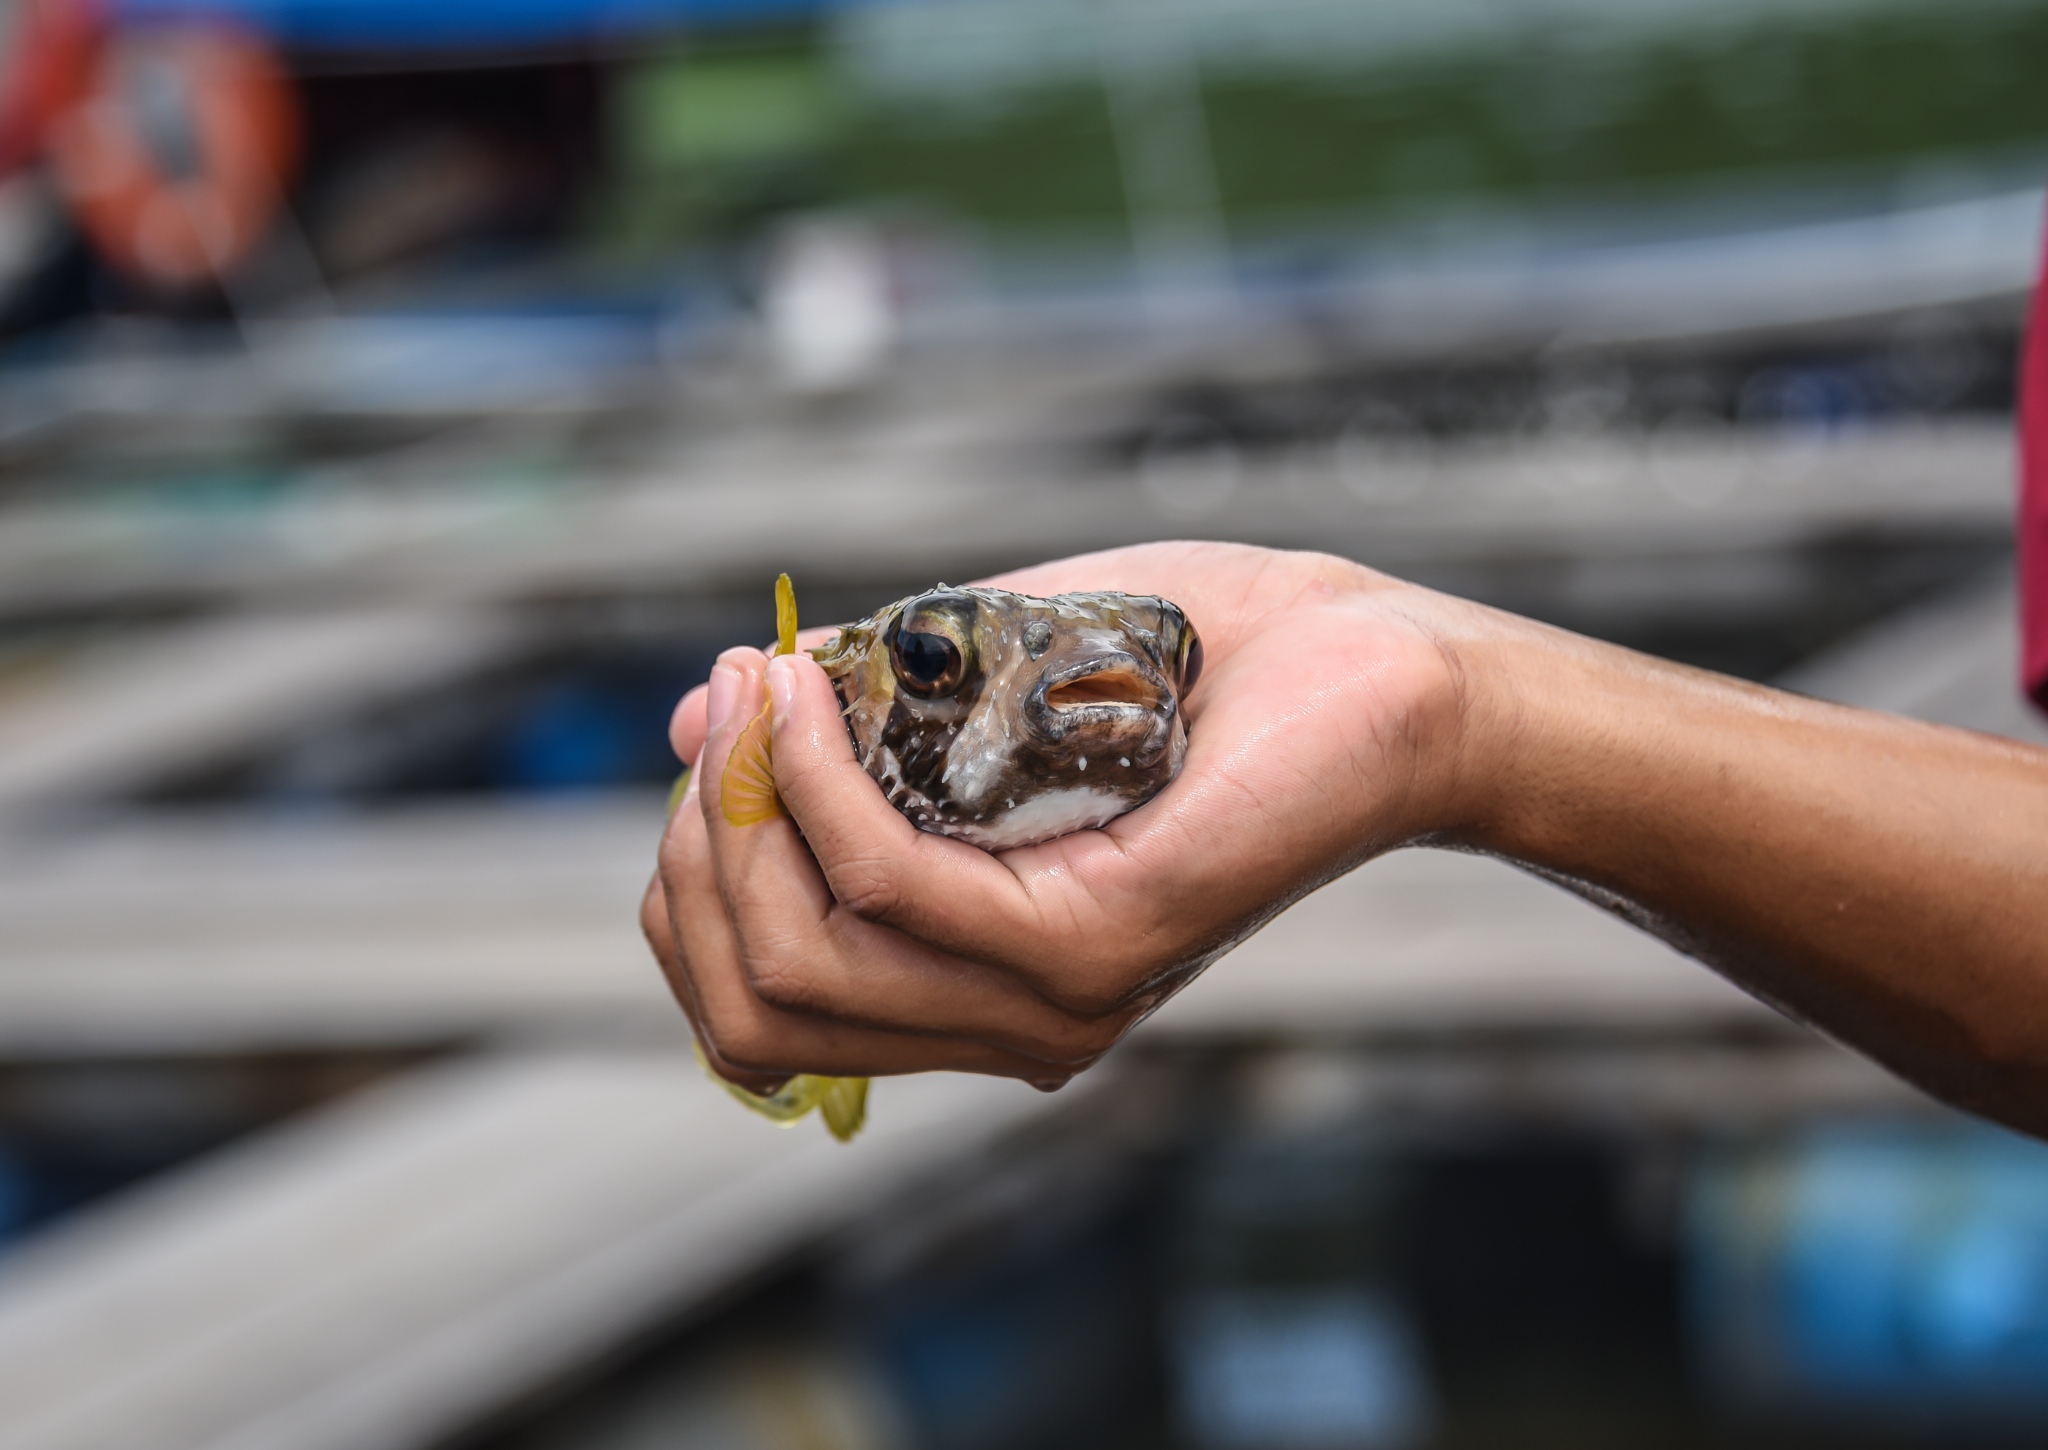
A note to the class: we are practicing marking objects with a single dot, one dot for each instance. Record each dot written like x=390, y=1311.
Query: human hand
x=1328, y=726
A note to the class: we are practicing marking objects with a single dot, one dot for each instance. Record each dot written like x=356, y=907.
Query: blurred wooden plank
x=396, y=1268
x=1433, y=942
x=177, y=932
x=410, y=927
x=1954, y=661
x=997, y=487
x=180, y=931
x=115, y=715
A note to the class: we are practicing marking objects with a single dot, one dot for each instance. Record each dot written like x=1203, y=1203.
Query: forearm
x=1883, y=879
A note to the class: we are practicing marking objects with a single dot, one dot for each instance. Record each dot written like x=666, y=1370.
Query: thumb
x=876, y=862
x=815, y=770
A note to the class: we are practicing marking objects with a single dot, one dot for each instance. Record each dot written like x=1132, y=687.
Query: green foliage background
x=723, y=133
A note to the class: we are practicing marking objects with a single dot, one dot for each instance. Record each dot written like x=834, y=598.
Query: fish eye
x=932, y=648
x=1190, y=659
x=926, y=659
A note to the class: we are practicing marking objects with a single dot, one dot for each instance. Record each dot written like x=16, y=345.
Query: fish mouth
x=1120, y=683
x=1113, y=706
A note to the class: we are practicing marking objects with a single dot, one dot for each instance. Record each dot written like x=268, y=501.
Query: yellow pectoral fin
x=747, y=789
x=844, y=1105
x=746, y=792
x=677, y=791
x=748, y=796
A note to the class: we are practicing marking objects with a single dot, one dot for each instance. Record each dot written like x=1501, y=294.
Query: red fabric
x=2034, y=499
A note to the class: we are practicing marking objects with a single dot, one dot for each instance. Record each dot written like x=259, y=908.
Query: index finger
x=687, y=725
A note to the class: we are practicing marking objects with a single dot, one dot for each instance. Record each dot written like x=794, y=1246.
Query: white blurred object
x=828, y=304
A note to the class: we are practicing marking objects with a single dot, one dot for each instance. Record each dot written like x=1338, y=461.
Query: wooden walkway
x=388, y=1271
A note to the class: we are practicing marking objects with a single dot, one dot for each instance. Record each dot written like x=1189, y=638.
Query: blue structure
x=455, y=25
x=1878, y=1270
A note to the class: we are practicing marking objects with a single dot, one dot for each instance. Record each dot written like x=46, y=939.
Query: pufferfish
x=996, y=718
x=1005, y=720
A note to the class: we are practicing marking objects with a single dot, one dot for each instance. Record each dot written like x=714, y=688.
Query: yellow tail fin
x=844, y=1105
x=842, y=1101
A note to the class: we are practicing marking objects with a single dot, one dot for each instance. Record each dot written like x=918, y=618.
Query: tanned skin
x=1882, y=879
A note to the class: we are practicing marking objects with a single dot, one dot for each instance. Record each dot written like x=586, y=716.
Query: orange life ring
x=45, y=64
x=175, y=158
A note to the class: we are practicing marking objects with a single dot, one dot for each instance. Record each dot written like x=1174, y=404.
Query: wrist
x=1573, y=749
x=1528, y=734
x=1451, y=752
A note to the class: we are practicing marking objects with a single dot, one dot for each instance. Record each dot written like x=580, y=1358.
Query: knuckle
x=739, y=1041
x=782, y=983
x=868, y=887
x=654, y=924
x=1081, y=1043
x=681, y=852
x=797, y=769
x=1107, y=1034
x=1074, y=1051
x=1088, y=994
x=1121, y=984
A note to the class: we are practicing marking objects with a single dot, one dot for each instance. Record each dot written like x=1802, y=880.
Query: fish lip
x=1116, y=663
x=1135, y=732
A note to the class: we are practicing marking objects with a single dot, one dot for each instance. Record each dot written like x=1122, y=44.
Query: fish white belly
x=1041, y=818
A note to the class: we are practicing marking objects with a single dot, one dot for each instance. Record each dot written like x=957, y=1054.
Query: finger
x=686, y=725
x=749, y=1039
x=793, y=939
x=654, y=925
x=707, y=865
x=804, y=952
x=1062, y=918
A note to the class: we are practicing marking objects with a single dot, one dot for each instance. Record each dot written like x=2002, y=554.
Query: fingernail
x=782, y=685
x=725, y=688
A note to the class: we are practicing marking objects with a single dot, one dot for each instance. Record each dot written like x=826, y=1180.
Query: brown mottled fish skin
x=1004, y=719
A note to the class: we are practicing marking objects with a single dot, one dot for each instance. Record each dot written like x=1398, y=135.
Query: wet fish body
x=1005, y=719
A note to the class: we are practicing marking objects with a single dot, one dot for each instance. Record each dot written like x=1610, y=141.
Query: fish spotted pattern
x=1004, y=720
